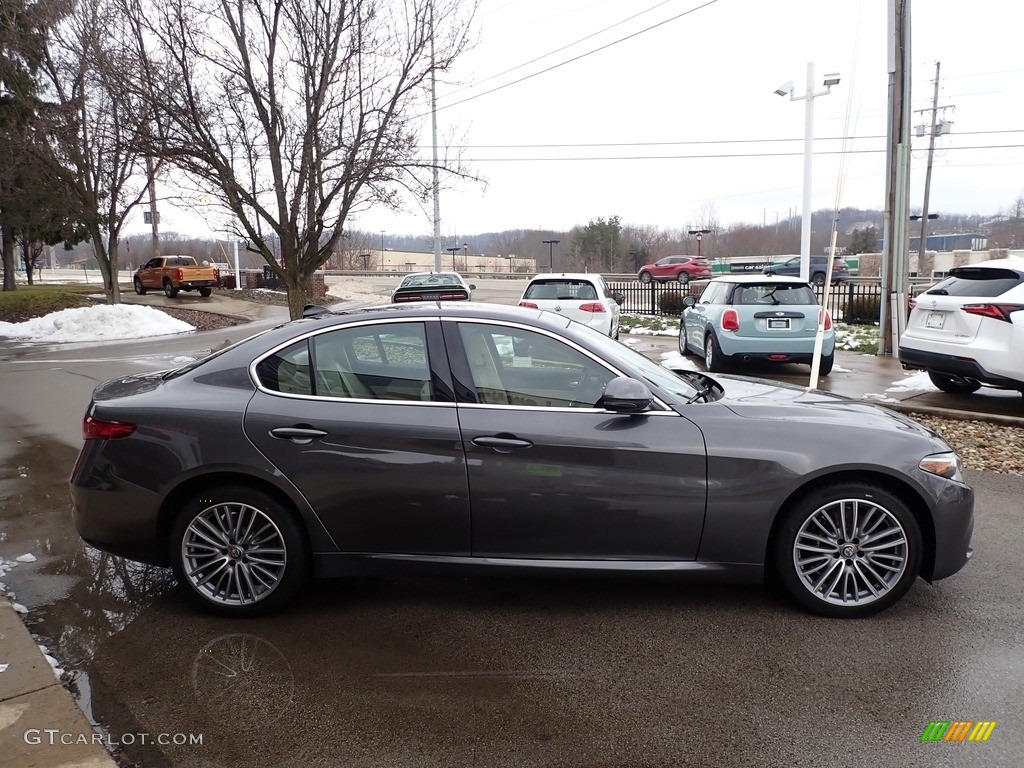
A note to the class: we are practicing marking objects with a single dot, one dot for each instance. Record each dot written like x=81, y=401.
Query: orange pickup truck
x=175, y=273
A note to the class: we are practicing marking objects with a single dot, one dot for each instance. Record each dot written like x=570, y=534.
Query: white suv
x=584, y=298
x=968, y=330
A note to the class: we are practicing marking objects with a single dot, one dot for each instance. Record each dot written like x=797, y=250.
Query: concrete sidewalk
x=41, y=726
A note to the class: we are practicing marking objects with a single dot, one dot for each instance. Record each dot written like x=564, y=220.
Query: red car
x=681, y=268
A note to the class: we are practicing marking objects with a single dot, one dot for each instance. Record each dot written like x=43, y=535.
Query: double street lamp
x=786, y=89
x=551, y=258
x=700, y=234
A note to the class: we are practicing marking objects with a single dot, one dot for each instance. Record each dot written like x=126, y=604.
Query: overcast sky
x=686, y=116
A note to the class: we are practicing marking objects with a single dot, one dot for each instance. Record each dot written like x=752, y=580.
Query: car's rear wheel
x=645, y=277
x=953, y=385
x=818, y=278
x=848, y=550
x=169, y=290
x=204, y=292
x=139, y=287
x=683, y=278
x=713, y=359
x=827, y=361
x=239, y=551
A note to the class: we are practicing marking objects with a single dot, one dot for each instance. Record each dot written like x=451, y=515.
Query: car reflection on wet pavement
x=490, y=672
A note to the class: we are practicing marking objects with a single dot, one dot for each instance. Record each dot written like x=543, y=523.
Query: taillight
x=216, y=273
x=528, y=305
x=912, y=303
x=995, y=311
x=730, y=320
x=828, y=319
x=596, y=307
x=95, y=429
x=451, y=297
x=179, y=275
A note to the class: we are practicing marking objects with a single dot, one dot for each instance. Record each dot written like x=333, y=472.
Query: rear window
x=562, y=290
x=977, y=281
x=774, y=295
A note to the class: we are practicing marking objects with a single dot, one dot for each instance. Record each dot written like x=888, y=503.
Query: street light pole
x=809, y=96
x=551, y=258
x=699, y=233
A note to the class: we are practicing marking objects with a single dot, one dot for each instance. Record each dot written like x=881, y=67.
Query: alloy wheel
x=233, y=554
x=850, y=552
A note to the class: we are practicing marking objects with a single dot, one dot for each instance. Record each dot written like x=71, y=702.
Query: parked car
x=584, y=298
x=432, y=286
x=967, y=331
x=791, y=267
x=744, y=318
x=481, y=439
x=682, y=269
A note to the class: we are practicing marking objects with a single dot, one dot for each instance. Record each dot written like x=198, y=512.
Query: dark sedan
x=500, y=439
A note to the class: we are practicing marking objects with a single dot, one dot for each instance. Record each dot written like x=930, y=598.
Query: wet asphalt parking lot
x=489, y=672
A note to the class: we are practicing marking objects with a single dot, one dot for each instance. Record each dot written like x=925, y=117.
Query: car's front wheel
x=684, y=347
x=848, y=550
x=952, y=385
x=645, y=277
x=683, y=278
x=139, y=287
x=238, y=550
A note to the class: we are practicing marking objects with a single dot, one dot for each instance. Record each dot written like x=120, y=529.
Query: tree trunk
x=26, y=257
x=8, y=259
x=296, y=297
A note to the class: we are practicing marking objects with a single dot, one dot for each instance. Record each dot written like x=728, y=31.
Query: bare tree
x=295, y=114
x=94, y=123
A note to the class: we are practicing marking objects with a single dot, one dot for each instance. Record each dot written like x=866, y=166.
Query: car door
x=696, y=318
x=361, y=420
x=552, y=476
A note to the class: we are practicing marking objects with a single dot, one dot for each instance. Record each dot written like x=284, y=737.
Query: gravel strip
x=202, y=321
x=981, y=444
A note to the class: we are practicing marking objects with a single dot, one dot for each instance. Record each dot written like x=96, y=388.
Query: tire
x=205, y=292
x=139, y=287
x=713, y=360
x=645, y=278
x=849, y=582
x=169, y=290
x=223, y=578
x=827, y=361
x=952, y=386
x=683, y=278
x=818, y=278
x=684, y=348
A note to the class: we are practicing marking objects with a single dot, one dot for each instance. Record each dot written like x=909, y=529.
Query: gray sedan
x=487, y=439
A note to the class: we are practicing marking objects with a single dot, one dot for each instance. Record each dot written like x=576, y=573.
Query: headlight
x=945, y=465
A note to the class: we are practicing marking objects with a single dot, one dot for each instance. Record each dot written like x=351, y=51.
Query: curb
x=951, y=413
x=41, y=726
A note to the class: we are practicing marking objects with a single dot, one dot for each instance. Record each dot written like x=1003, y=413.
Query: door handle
x=501, y=444
x=298, y=435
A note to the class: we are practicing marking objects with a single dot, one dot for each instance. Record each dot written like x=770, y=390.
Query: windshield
x=621, y=356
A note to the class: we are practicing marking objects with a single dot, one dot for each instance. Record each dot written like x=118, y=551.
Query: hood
x=123, y=386
x=754, y=398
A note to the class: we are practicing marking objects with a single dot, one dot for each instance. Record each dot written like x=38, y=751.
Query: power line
x=558, y=50
x=577, y=58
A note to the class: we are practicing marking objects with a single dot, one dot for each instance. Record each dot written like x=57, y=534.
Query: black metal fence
x=852, y=301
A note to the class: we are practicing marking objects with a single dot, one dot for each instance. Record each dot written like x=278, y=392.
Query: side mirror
x=618, y=297
x=689, y=302
x=625, y=395
x=312, y=310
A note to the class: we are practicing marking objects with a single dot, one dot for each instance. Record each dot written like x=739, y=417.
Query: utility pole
x=936, y=129
x=436, y=185
x=898, y=166
x=154, y=216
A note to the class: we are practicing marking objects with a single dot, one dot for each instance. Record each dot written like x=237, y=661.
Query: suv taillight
x=730, y=320
x=96, y=429
x=995, y=311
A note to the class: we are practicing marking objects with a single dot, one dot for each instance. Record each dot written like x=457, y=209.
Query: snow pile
x=353, y=289
x=102, y=322
x=675, y=362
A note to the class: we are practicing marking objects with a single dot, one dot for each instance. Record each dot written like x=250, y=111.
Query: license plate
x=431, y=296
x=778, y=323
x=935, y=320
